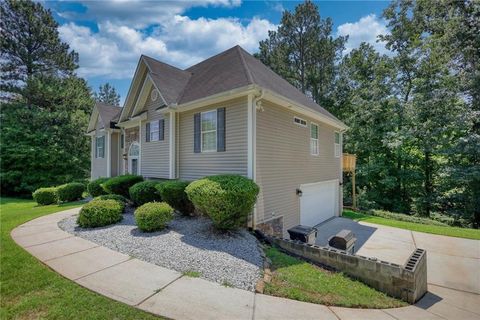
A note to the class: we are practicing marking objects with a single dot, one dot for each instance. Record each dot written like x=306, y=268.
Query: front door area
x=133, y=158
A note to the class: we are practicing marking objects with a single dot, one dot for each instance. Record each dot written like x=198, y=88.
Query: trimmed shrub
x=406, y=217
x=44, y=196
x=95, y=188
x=226, y=199
x=98, y=213
x=144, y=192
x=153, y=216
x=173, y=193
x=121, y=184
x=116, y=197
x=70, y=191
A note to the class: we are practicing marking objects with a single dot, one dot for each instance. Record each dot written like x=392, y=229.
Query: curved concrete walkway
x=167, y=293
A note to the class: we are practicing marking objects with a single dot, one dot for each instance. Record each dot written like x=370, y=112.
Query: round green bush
x=121, y=184
x=173, y=193
x=95, y=188
x=226, y=199
x=44, y=196
x=144, y=192
x=98, y=213
x=116, y=197
x=70, y=191
x=153, y=216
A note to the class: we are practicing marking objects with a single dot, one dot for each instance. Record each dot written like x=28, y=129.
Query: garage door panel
x=318, y=202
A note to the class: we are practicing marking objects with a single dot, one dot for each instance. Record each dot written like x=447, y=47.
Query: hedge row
x=64, y=193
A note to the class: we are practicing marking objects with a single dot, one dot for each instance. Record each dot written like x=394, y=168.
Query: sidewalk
x=170, y=294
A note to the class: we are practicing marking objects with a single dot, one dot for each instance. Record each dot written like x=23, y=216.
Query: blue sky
x=110, y=36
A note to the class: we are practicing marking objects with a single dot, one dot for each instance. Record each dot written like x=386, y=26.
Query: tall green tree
x=46, y=107
x=30, y=45
x=107, y=94
x=303, y=51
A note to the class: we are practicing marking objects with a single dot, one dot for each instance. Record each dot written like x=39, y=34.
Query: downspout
x=253, y=105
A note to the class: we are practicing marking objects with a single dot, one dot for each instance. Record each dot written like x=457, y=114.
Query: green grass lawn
x=441, y=230
x=299, y=280
x=30, y=290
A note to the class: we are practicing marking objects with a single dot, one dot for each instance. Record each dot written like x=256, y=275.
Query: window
x=338, y=140
x=299, y=121
x=100, y=147
x=209, y=131
x=154, y=131
x=314, y=139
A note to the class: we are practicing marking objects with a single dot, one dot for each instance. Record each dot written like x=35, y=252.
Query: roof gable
x=105, y=114
x=231, y=69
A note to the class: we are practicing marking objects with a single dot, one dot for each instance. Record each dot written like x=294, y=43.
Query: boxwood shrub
x=116, y=197
x=173, y=193
x=44, y=196
x=226, y=199
x=144, y=192
x=121, y=184
x=70, y=191
x=98, y=213
x=153, y=216
x=95, y=188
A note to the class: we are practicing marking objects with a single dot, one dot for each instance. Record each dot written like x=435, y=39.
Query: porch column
x=172, y=146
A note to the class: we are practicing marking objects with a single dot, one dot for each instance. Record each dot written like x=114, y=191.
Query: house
x=226, y=114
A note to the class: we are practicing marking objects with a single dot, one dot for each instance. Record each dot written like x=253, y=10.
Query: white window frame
x=301, y=123
x=208, y=131
x=337, y=146
x=98, y=148
x=314, y=140
x=152, y=132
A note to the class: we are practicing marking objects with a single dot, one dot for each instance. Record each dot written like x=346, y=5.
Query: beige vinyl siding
x=284, y=162
x=154, y=154
x=99, y=165
x=233, y=160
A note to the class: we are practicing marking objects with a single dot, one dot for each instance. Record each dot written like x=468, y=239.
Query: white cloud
x=366, y=29
x=140, y=13
x=114, y=50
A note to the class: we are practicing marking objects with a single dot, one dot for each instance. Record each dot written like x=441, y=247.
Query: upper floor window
x=299, y=121
x=209, y=131
x=338, y=140
x=100, y=147
x=154, y=131
x=313, y=139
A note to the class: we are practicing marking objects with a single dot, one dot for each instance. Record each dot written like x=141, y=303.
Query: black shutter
x=95, y=146
x=220, y=129
x=122, y=137
x=161, y=129
x=147, y=132
x=196, y=133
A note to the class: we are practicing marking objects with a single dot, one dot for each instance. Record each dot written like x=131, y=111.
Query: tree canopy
x=107, y=94
x=45, y=106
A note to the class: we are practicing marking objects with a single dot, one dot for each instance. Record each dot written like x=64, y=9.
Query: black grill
x=303, y=233
x=344, y=240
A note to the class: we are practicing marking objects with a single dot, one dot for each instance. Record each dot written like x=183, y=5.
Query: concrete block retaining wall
x=408, y=282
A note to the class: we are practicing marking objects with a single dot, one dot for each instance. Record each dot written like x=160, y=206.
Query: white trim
x=137, y=69
x=109, y=154
x=251, y=112
x=141, y=97
x=119, y=153
x=209, y=131
x=133, y=122
x=140, y=139
x=171, y=146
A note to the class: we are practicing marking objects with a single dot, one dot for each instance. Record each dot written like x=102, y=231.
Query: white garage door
x=318, y=202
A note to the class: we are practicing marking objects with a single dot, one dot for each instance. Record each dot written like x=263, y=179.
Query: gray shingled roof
x=108, y=113
x=231, y=69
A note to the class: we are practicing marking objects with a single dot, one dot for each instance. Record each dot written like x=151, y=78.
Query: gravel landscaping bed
x=188, y=244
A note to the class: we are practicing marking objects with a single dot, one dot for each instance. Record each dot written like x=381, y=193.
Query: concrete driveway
x=452, y=263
